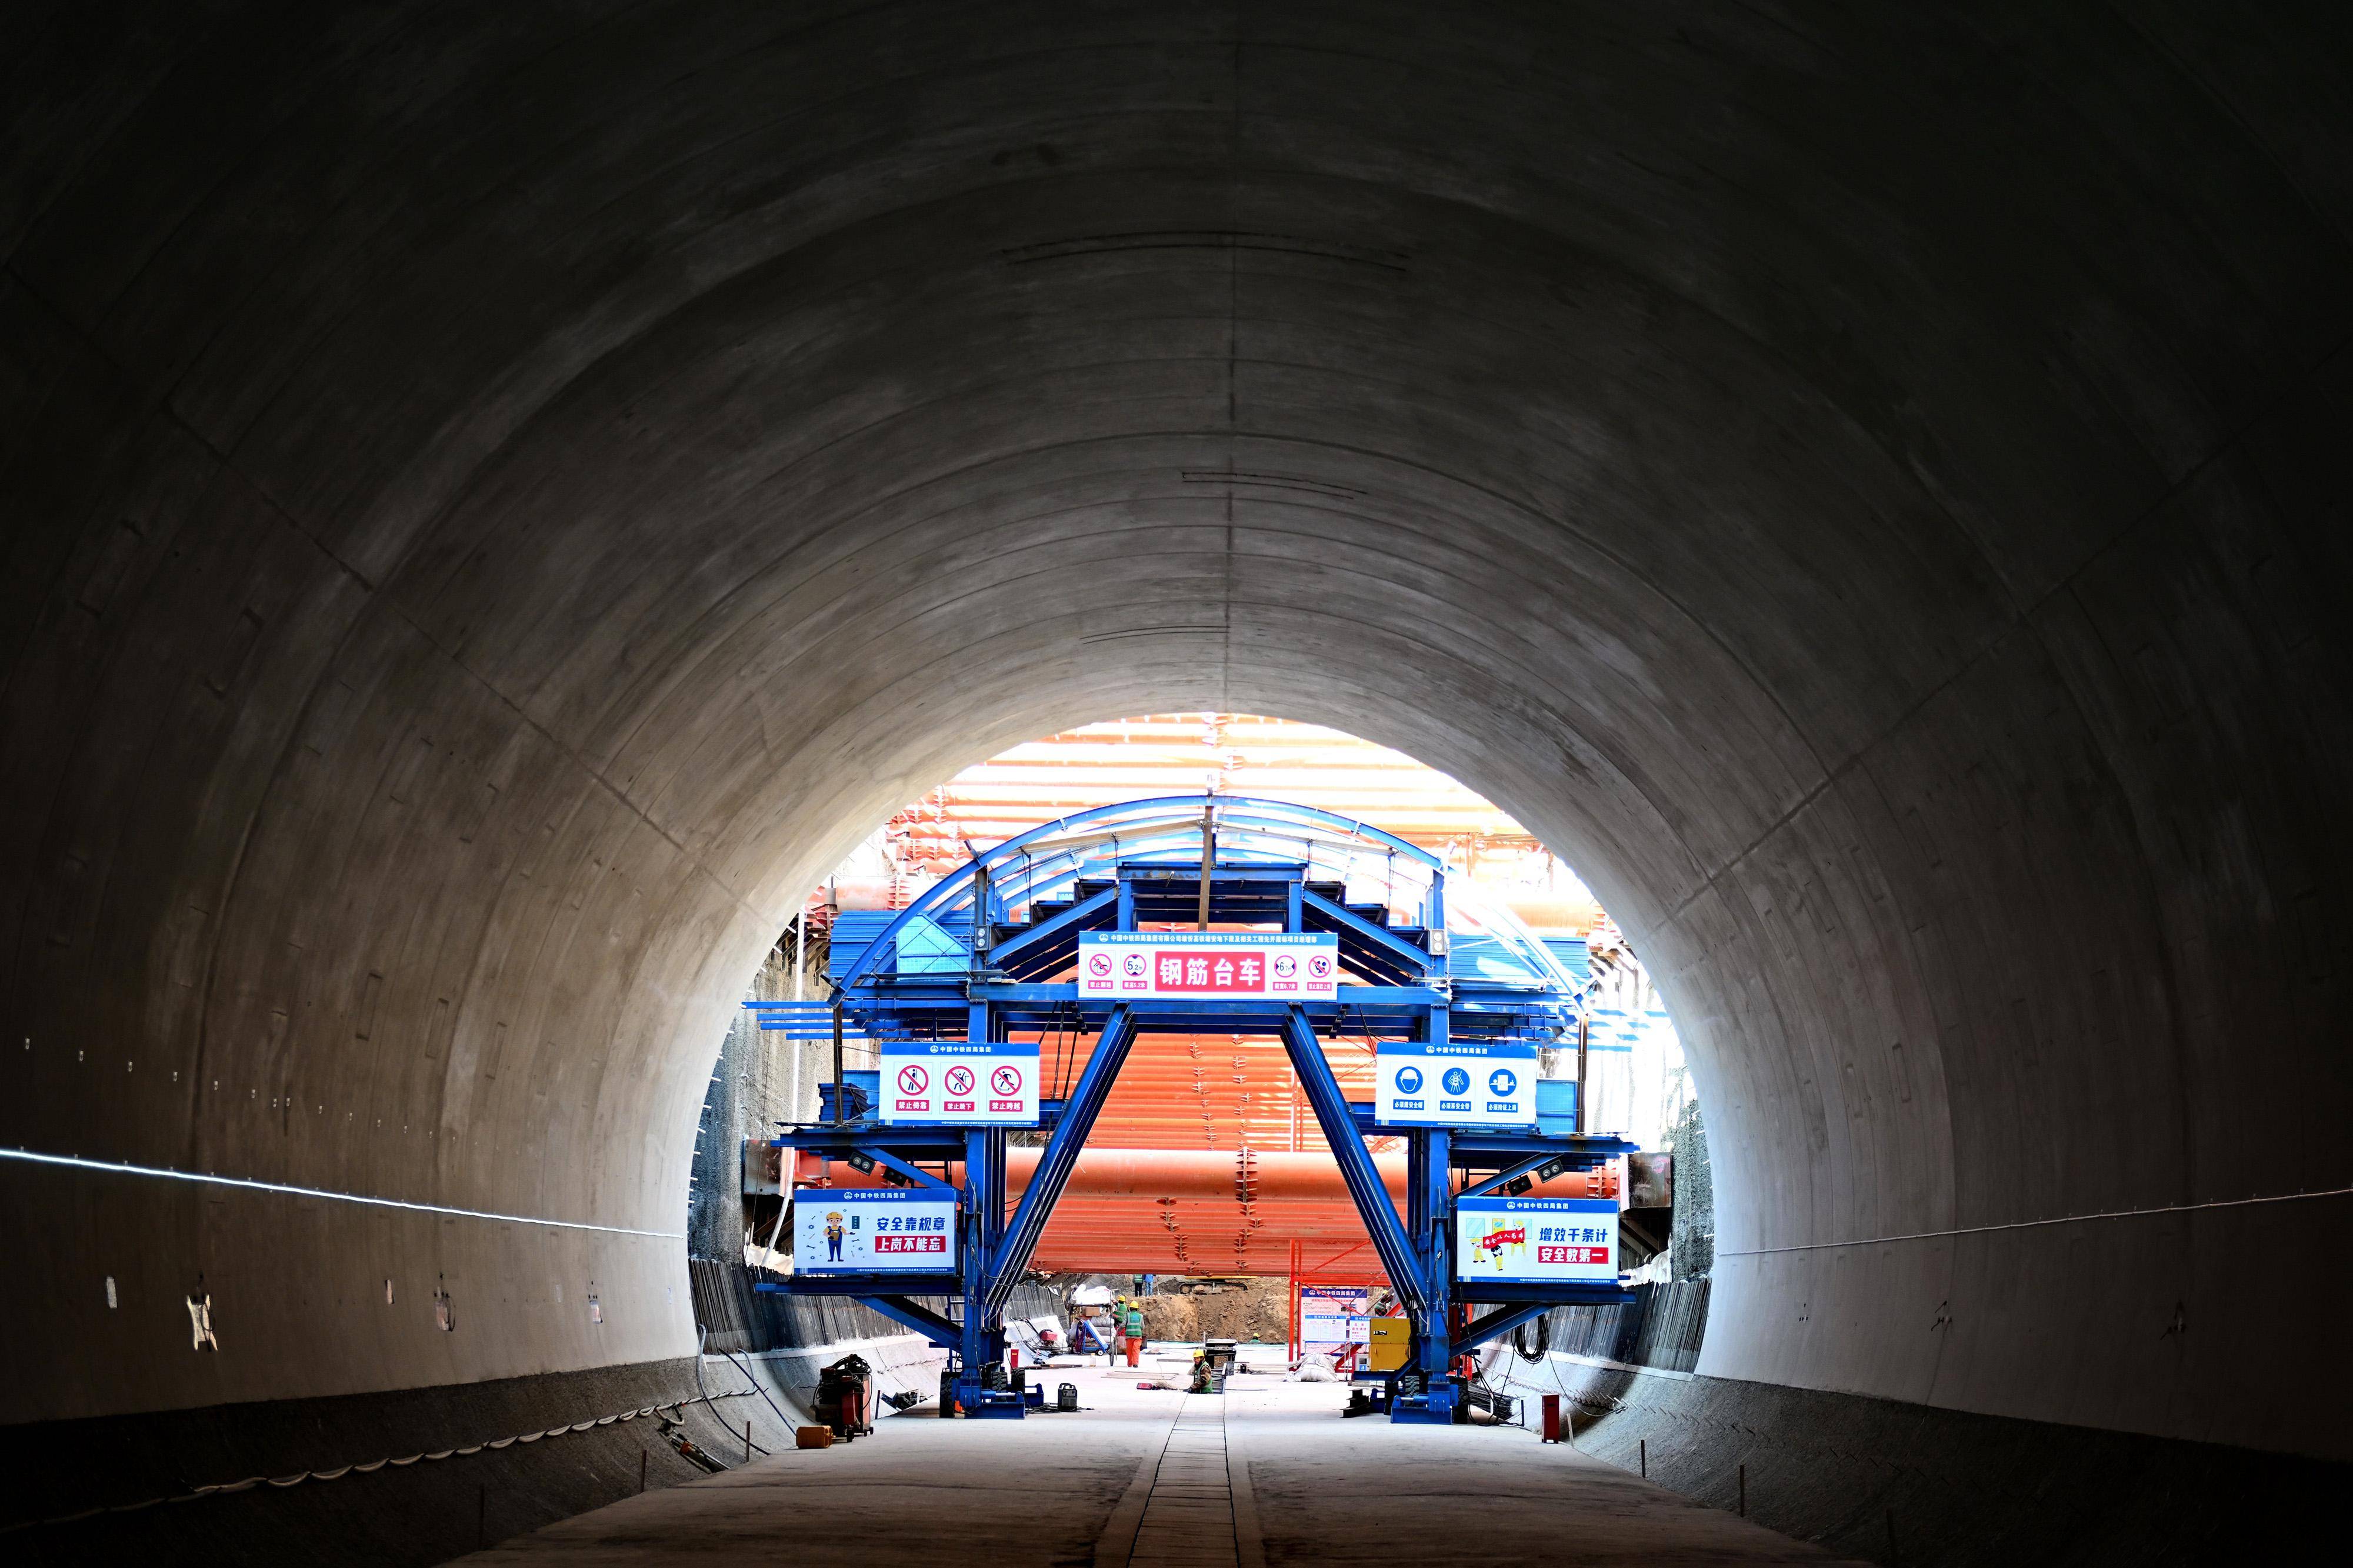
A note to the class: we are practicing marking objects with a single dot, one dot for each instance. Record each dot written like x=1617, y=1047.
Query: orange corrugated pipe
x=1150, y=1173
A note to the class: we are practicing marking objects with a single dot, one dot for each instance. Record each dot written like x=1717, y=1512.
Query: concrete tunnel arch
x=495, y=510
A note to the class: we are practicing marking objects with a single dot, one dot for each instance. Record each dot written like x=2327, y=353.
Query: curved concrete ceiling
x=497, y=501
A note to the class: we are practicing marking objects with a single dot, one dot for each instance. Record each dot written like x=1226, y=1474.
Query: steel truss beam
x=1408, y=958
x=940, y=1331
x=1062, y=1157
x=1146, y=816
x=1069, y=921
x=1495, y=1325
x=1357, y=1168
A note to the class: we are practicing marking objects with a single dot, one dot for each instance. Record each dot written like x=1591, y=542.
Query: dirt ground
x=1247, y=1310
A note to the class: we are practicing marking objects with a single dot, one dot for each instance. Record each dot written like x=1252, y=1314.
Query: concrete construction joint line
x=1117, y=1542
x=1249, y=1545
x=1606, y=1364
x=336, y=1473
x=2033, y=1224
x=121, y=1168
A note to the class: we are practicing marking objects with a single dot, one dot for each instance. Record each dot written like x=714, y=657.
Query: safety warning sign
x=985, y=1083
x=1135, y=966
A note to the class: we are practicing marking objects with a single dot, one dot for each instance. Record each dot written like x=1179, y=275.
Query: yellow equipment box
x=1387, y=1352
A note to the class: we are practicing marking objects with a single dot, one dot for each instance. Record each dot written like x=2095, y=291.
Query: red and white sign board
x=1195, y=966
x=981, y=1083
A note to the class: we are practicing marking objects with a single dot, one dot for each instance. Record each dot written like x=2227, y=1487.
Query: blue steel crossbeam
x=1494, y=1325
x=899, y=1307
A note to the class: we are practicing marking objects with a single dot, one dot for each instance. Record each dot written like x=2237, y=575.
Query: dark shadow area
x=496, y=501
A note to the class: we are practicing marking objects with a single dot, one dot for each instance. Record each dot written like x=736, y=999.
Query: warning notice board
x=981, y=1083
x=1182, y=966
x=882, y=1230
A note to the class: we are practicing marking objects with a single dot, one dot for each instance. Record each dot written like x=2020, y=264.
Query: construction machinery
x=1009, y=1000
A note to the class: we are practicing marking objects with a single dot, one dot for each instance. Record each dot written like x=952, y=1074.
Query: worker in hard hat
x=1132, y=1319
x=833, y=1236
x=1113, y=1316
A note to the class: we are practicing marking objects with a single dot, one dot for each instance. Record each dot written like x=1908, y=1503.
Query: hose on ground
x=706, y=1393
x=790, y=1425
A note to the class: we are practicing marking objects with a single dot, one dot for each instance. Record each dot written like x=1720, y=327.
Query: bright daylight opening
x=1091, y=1113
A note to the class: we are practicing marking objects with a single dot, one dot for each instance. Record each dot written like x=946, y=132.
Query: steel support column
x=1436, y=1256
x=1011, y=1255
x=977, y=1348
x=1357, y=1168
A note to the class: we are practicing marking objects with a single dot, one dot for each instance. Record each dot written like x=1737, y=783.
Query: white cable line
x=2031, y=1224
x=225, y=1488
x=123, y=1169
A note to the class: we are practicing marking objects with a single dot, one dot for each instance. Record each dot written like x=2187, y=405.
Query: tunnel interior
x=498, y=501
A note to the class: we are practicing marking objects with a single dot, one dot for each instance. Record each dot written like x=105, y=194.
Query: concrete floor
x=1269, y=1473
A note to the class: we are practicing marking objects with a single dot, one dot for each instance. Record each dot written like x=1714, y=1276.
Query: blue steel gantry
x=990, y=954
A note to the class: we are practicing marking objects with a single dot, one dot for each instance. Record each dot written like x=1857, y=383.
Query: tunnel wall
x=497, y=502
x=1896, y=1483
x=420, y=1475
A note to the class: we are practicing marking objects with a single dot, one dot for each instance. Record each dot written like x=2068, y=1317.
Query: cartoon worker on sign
x=833, y=1235
x=1501, y=1234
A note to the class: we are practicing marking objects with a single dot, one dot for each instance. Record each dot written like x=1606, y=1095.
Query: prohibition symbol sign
x=959, y=1081
x=913, y=1080
x=1008, y=1080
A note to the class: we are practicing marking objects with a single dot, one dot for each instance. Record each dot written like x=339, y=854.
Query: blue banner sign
x=1468, y=1085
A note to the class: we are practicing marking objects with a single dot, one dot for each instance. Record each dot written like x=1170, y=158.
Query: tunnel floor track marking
x=1192, y=1511
x=118, y=1168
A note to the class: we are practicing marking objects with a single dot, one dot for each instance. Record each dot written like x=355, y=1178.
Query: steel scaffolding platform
x=994, y=953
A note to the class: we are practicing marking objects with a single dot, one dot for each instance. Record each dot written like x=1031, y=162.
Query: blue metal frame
x=1371, y=1195
x=1166, y=816
x=1496, y=1324
x=1115, y=864
x=1062, y=1157
x=916, y=1316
